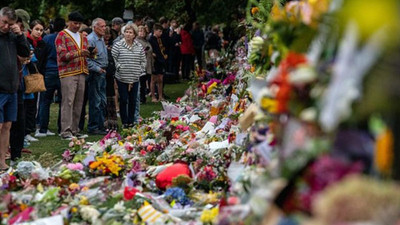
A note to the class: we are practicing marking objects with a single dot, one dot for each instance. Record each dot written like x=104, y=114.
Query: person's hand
x=16, y=29
x=102, y=71
x=85, y=53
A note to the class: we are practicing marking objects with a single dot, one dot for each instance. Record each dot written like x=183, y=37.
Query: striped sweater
x=130, y=61
x=69, y=58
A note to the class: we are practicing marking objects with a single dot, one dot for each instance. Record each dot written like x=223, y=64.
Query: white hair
x=96, y=21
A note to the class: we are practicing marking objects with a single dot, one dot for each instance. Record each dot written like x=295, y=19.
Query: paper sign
x=54, y=220
x=218, y=145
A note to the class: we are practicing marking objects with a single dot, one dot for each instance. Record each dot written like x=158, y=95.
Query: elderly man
x=12, y=43
x=72, y=51
x=97, y=78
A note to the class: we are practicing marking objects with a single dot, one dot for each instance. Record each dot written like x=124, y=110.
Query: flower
x=129, y=193
x=209, y=215
x=254, y=10
x=90, y=214
x=75, y=166
x=177, y=194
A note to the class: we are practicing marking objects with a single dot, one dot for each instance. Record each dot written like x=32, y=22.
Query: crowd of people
x=113, y=66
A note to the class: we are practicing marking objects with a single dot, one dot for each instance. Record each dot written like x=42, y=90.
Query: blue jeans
x=127, y=102
x=52, y=82
x=97, y=100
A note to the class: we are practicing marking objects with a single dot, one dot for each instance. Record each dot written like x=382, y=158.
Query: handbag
x=34, y=82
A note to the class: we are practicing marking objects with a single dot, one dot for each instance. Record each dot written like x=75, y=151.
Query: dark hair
x=36, y=22
x=157, y=26
x=59, y=24
x=9, y=12
x=76, y=16
x=188, y=27
x=163, y=20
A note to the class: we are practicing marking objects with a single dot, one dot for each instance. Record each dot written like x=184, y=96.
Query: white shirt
x=76, y=36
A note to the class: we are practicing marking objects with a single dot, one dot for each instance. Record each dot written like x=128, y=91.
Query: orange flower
x=384, y=152
x=254, y=10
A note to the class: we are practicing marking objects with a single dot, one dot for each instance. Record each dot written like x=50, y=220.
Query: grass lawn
x=48, y=150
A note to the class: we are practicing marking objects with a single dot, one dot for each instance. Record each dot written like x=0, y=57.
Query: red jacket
x=187, y=43
x=69, y=58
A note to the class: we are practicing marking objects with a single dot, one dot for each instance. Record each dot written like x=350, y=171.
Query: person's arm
x=143, y=62
x=115, y=55
x=92, y=65
x=23, y=49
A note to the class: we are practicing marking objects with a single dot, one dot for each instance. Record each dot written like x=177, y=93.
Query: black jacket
x=11, y=45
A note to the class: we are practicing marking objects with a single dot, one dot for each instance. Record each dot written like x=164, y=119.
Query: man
x=12, y=43
x=97, y=78
x=17, y=131
x=198, y=42
x=51, y=79
x=72, y=51
x=116, y=25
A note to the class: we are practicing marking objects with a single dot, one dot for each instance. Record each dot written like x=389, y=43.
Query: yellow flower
x=84, y=201
x=209, y=215
x=268, y=104
x=211, y=87
x=277, y=13
x=74, y=210
x=5, y=215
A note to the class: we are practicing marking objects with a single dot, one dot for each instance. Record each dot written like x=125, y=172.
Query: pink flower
x=71, y=144
x=128, y=146
x=75, y=166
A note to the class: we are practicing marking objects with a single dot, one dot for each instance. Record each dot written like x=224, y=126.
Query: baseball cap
x=24, y=16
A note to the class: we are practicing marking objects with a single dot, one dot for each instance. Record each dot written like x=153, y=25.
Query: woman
x=30, y=100
x=145, y=80
x=130, y=63
x=187, y=50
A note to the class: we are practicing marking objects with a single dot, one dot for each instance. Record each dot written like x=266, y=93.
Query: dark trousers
x=199, y=57
x=30, y=106
x=187, y=65
x=17, y=132
x=52, y=82
x=127, y=101
x=143, y=87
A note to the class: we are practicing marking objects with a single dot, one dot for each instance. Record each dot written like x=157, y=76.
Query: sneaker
x=39, y=135
x=26, y=143
x=80, y=136
x=30, y=138
x=49, y=133
x=67, y=137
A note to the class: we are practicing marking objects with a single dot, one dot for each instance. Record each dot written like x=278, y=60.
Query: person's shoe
x=49, y=133
x=26, y=143
x=39, y=135
x=98, y=132
x=30, y=138
x=67, y=137
x=80, y=136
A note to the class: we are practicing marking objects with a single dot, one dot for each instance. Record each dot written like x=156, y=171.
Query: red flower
x=143, y=152
x=129, y=193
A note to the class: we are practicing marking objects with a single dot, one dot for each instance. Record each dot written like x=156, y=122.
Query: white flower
x=119, y=207
x=302, y=75
x=90, y=214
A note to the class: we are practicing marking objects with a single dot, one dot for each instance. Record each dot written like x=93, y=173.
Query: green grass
x=48, y=150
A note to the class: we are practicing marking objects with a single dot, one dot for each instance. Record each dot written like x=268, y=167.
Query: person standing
x=30, y=100
x=144, y=80
x=160, y=58
x=72, y=51
x=130, y=62
x=51, y=80
x=187, y=51
x=97, y=78
x=198, y=43
x=12, y=43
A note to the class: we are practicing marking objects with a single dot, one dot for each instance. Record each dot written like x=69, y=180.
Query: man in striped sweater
x=72, y=67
